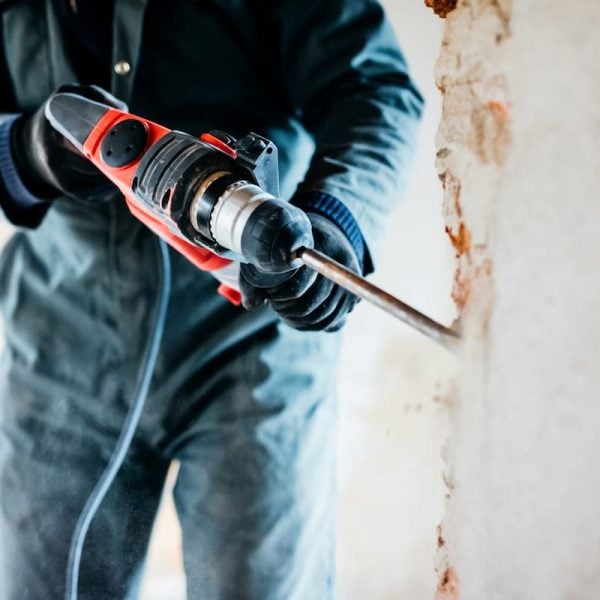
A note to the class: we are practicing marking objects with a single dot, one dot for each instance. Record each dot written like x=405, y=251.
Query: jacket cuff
x=335, y=210
x=21, y=207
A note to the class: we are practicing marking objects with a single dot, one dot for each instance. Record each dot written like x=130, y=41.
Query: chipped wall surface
x=518, y=158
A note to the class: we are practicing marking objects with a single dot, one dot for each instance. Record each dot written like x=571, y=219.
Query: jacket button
x=122, y=67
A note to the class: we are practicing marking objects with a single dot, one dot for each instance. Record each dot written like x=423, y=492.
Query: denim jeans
x=244, y=403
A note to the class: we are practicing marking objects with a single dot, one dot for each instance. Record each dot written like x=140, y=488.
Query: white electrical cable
x=128, y=431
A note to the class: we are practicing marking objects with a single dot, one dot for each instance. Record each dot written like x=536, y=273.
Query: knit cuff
x=335, y=210
x=20, y=206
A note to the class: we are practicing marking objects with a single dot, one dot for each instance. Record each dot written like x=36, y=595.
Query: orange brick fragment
x=448, y=586
x=441, y=7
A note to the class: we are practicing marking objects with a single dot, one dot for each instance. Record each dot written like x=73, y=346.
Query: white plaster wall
x=523, y=517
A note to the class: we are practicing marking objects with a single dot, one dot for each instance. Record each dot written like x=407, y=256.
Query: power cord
x=127, y=432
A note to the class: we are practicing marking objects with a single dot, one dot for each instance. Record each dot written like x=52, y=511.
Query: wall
x=518, y=153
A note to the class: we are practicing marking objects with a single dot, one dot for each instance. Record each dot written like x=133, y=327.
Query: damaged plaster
x=474, y=133
x=518, y=160
x=442, y=8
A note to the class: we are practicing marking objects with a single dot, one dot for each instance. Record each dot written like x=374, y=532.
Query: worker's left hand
x=49, y=164
x=305, y=300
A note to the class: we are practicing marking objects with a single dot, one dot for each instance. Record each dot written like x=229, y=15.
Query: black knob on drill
x=124, y=143
x=274, y=231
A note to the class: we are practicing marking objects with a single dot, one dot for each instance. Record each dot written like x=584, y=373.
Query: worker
x=244, y=400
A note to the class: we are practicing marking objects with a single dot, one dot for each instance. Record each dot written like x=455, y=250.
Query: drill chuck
x=251, y=222
x=232, y=212
x=273, y=233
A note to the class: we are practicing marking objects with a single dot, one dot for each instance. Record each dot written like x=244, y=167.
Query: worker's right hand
x=303, y=299
x=49, y=165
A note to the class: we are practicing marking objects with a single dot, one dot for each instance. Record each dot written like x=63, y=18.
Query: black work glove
x=49, y=165
x=305, y=300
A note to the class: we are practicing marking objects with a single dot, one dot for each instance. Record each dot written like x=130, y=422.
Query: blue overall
x=246, y=404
